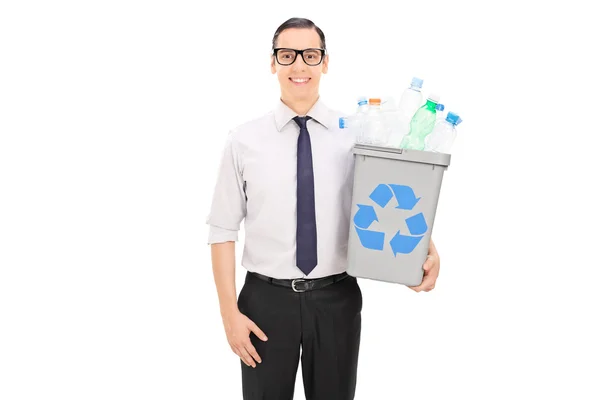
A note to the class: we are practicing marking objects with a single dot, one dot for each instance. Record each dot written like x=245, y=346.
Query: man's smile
x=299, y=81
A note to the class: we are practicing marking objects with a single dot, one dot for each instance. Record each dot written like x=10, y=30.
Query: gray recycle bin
x=394, y=202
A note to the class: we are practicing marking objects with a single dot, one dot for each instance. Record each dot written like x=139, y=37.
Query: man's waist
x=302, y=284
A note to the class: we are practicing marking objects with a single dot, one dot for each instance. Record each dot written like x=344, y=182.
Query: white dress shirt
x=257, y=184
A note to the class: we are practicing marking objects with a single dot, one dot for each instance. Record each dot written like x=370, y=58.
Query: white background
x=112, y=118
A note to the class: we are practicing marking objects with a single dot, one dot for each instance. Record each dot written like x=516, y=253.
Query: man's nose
x=299, y=64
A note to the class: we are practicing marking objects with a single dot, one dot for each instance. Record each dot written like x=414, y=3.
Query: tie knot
x=301, y=121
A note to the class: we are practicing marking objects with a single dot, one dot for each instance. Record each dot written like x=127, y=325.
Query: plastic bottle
x=356, y=123
x=355, y=127
x=439, y=113
x=410, y=101
x=363, y=105
x=388, y=104
x=361, y=112
x=421, y=124
x=443, y=135
x=375, y=127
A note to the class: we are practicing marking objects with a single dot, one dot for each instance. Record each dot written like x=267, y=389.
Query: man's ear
x=273, y=69
x=325, y=64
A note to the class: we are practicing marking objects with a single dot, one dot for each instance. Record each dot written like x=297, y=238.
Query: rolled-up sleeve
x=228, y=208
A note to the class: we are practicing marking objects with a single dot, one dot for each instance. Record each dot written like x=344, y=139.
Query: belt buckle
x=294, y=285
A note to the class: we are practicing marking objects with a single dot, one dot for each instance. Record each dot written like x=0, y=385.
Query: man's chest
x=270, y=166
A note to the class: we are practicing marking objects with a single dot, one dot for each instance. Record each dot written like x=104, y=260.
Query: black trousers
x=320, y=327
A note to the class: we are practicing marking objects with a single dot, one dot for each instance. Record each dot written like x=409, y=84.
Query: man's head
x=299, y=78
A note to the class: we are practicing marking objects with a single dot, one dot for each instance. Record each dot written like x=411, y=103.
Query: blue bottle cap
x=342, y=123
x=418, y=82
x=453, y=118
x=439, y=107
x=362, y=100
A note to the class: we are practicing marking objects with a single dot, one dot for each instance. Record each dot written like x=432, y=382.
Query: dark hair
x=298, y=23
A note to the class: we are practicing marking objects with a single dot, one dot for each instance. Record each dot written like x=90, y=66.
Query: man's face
x=299, y=81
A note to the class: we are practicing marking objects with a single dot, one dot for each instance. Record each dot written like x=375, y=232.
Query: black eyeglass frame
x=301, y=52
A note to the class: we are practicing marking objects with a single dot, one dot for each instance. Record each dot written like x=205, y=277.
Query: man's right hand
x=238, y=328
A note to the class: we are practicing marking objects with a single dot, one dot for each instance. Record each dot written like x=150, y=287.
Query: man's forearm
x=223, y=263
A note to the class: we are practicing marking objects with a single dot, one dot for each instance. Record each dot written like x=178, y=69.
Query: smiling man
x=288, y=175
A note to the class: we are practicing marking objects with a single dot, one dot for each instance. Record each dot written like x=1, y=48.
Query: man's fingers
x=252, y=350
x=246, y=357
x=430, y=288
x=428, y=263
x=254, y=328
x=426, y=285
x=238, y=353
x=237, y=350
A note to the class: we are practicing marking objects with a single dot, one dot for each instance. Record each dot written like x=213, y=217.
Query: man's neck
x=301, y=107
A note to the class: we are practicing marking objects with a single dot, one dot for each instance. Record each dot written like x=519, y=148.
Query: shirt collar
x=319, y=112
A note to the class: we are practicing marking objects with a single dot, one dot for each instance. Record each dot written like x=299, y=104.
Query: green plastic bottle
x=421, y=125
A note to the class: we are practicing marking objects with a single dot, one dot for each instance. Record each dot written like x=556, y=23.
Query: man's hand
x=432, y=270
x=238, y=328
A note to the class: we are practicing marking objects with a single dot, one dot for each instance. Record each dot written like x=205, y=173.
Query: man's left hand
x=431, y=269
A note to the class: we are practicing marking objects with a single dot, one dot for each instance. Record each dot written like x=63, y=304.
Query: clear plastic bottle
x=388, y=104
x=363, y=105
x=421, y=124
x=443, y=135
x=439, y=112
x=376, y=131
x=361, y=113
x=410, y=101
x=356, y=123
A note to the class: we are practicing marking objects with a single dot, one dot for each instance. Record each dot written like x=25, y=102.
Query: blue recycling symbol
x=402, y=242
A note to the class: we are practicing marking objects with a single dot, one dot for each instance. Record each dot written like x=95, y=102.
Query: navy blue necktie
x=306, y=229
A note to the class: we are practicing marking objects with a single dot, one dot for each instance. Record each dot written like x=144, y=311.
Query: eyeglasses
x=311, y=57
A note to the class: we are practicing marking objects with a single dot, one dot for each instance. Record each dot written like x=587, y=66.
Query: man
x=289, y=176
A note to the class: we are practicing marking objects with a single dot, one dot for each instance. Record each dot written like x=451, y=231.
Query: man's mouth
x=299, y=81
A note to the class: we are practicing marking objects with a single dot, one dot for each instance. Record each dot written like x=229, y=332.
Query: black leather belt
x=301, y=284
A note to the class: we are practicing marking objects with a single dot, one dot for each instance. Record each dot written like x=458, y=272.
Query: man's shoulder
x=253, y=126
x=335, y=111
x=334, y=114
